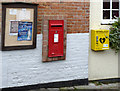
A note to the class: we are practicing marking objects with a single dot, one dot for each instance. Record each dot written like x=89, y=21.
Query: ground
x=91, y=86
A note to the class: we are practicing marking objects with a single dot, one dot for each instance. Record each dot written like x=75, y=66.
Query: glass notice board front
x=19, y=26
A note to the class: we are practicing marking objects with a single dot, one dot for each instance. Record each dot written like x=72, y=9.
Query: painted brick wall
x=28, y=68
x=25, y=67
x=0, y=64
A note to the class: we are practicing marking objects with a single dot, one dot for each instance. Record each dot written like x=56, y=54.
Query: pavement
x=93, y=86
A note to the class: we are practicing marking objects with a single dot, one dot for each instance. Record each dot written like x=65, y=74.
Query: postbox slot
x=56, y=25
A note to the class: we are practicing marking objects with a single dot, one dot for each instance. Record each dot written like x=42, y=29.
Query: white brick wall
x=0, y=69
x=0, y=64
x=25, y=67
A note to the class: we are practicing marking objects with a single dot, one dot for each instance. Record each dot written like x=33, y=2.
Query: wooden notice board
x=19, y=26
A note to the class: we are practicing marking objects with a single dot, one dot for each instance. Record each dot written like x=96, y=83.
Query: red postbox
x=56, y=38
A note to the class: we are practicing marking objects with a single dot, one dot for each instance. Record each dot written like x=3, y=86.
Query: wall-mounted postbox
x=56, y=38
x=99, y=40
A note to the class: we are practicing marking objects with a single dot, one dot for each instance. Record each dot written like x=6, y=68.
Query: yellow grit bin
x=99, y=40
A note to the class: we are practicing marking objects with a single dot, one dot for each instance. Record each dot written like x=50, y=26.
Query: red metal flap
x=56, y=38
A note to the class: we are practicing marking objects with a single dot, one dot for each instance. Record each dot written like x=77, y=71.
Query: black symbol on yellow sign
x=102, y=40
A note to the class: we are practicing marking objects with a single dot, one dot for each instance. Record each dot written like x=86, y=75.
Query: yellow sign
x=99, y=40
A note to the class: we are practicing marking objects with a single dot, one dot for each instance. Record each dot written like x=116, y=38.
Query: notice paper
x=13, y=27
x=25, y=31
x=23, y=15
x=13, y=11
x=55, y=37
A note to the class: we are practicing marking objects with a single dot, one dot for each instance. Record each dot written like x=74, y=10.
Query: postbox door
x=56, y=38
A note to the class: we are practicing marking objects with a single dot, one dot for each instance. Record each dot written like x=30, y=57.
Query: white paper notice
x=105, y=45
x=23, y=15
x=13, y=11
x=13, y=27
x=55, y=37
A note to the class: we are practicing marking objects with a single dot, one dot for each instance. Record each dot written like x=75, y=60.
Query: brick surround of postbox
x=45, y=31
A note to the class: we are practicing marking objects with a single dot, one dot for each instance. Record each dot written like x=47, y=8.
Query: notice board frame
x=18, y=5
